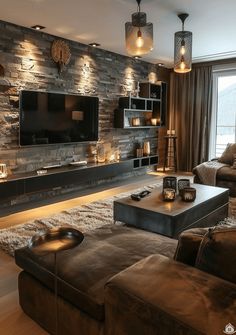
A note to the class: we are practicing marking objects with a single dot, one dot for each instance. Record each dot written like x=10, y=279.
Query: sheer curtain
x=190, y=115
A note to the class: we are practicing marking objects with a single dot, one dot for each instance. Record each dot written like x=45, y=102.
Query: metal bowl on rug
x=54, y=240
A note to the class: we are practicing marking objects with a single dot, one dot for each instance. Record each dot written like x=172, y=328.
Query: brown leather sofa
x=124, y=281
x=225, y=177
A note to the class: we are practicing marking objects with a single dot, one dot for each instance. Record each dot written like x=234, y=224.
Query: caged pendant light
x=139, y=34
x=183, y=48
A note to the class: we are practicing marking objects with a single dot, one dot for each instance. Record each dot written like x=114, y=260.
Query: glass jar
x=146, y=148
x=101, y=157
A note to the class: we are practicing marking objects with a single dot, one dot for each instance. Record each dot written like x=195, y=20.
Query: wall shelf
x=145, y=161
x=151, y=104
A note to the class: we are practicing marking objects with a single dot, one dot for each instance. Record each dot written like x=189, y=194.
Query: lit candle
x=153, y=122
x=135, y=121
x=168, y=194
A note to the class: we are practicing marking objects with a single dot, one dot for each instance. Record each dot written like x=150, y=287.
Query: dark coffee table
x=171, y=218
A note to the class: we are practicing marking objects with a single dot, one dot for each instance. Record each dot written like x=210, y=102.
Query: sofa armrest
x=188, y=245
x=161, y=296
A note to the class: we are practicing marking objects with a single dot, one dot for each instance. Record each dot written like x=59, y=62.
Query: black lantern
x=139, y=34
x=170, y=182
x=182, y=183
x=188, y=194
x=183, y=48
x=168, y=194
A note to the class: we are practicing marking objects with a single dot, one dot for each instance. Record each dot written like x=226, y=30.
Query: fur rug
x=86, y=217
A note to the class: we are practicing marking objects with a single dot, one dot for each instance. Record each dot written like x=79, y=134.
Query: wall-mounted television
x=51, y=118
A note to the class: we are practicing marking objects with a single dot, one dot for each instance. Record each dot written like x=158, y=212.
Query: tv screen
x=50, y=118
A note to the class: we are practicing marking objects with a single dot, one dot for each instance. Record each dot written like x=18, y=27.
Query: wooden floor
x=12, y=320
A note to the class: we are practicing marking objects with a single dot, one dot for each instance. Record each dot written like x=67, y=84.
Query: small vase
x=101, y=157
x=146, y=148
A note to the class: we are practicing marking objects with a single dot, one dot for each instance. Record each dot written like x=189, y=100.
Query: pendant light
x=183, y=48
x=139, y=34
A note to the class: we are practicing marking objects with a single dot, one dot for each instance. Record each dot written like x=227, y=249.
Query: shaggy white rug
x=85, y=218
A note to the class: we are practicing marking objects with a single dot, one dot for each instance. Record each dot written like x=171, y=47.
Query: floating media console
x=27, y=183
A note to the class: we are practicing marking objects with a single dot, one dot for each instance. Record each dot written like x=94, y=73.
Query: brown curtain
x=190, y=115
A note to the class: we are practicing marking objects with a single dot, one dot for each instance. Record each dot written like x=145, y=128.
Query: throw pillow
x=217, y=252
x=227, y=156
x=188, y=245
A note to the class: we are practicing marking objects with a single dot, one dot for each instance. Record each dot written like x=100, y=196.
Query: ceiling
x=211, y=21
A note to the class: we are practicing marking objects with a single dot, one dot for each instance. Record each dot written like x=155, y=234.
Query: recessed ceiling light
x=137, y=57
x=38, y=27
x=94, y=44
x=160, y=64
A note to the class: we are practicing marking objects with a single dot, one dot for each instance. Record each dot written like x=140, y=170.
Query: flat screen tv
x=51, y=118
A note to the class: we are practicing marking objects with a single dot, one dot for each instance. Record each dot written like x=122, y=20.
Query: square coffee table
x=171, y=218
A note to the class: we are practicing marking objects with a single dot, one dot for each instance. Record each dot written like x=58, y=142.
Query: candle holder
x=153, y=122
x=170, y=182
x=182, y=183
x=139, y=152
x=3, y=170
x=135, y=121
x=146, y=148
x=168, y=194
x=188, y=194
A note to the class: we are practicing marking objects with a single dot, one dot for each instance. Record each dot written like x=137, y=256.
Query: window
x=223, y=127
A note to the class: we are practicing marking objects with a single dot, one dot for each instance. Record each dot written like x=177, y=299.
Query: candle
x=3, y=170
x=153, y=122
x=135, y=121
x=168, y=194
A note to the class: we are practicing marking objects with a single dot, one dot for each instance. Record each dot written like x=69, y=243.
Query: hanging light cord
x=138, y=8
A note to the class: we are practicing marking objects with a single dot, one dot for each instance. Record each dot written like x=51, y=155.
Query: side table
x=170, y=152
x=53, y=241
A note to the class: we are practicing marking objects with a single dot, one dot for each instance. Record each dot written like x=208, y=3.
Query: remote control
x=139, y=196
x=135, y=197
x=144, y=193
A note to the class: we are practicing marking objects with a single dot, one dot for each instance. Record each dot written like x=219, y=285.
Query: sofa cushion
x=84, y=270
x=228, y=155
x=217, y=252
x=226, y=173
x=158, y=296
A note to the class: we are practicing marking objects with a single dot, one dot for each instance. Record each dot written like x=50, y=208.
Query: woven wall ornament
x=61, y=54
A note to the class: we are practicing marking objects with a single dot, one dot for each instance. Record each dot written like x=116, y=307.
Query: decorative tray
x=54, y=240
x=79, y=163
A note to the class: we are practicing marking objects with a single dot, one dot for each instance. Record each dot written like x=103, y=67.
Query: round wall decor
x=60, y=53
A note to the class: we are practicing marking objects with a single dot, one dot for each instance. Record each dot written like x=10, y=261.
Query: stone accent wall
x=26, y=57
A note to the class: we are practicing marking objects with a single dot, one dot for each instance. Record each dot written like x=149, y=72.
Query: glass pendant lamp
x=183, y=48
x=139, y=34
